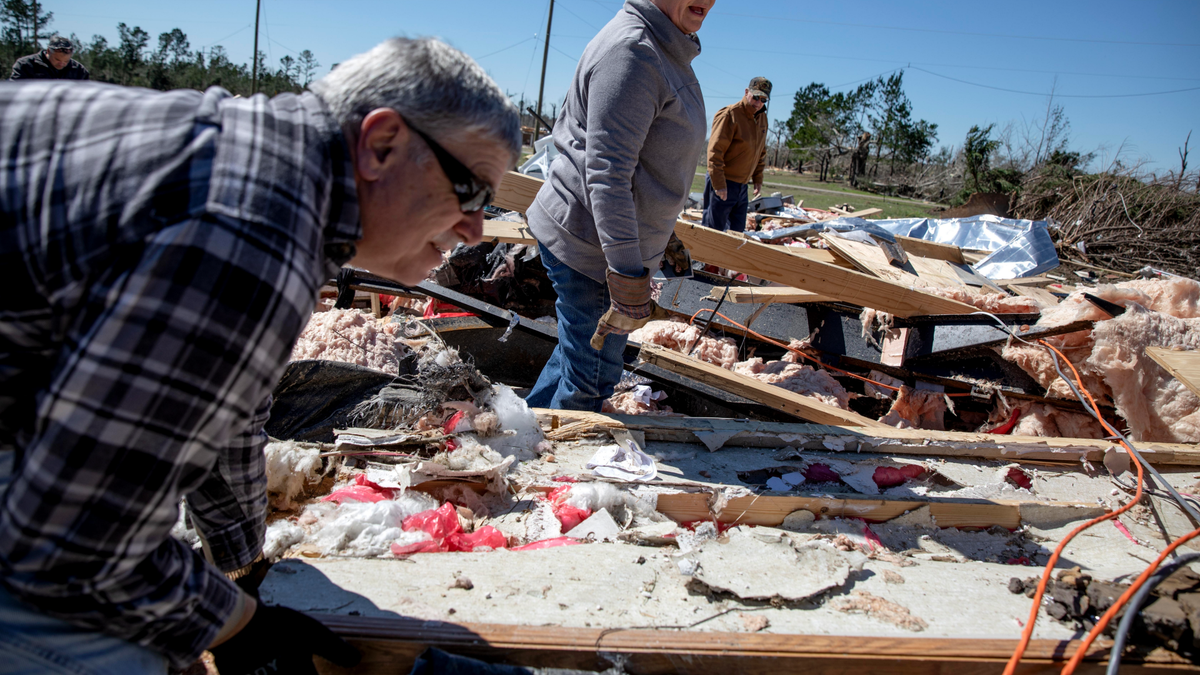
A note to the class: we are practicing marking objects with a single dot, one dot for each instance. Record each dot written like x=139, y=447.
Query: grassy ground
x=796, y=186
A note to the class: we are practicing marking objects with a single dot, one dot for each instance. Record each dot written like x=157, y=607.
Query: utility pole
x=537, y=123
x=254, y=57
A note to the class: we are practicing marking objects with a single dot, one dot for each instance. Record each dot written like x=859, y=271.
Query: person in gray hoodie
x=630, y=136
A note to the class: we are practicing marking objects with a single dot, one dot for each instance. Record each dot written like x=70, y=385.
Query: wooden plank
x=931, y=249
x=755, y=390
x=517, y=191
x=868, y=259
x=915, y=442
x=784, y=266
x=507, y=232
x=392, y=644
x=856, y=214
x=1044, y=297
x=770, y=510
x=761, y=294
x=931, y=271
x=1182, y=365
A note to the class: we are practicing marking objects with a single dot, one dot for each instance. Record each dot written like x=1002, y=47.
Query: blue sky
x=953, y=52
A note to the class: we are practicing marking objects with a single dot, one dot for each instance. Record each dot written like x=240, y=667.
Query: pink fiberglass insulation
x=917, y=408
x=1156, y=406
x=1039, y=419
x=803, y=380
x=350, y=336
x=1176, y=297
x=989, y=302
x=628, y=403
x=679, y=336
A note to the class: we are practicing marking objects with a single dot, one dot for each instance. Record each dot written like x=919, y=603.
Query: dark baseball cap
x=60, y=42
x=760, y=86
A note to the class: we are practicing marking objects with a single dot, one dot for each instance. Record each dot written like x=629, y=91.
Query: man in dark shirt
x=54, y=63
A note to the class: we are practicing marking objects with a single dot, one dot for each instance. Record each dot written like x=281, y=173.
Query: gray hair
x=437, y=88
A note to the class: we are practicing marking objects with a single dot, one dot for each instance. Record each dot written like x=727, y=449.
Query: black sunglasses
x=761, y=99
x=473, y=192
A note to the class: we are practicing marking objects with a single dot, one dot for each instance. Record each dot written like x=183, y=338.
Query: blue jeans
x=729, y=213
x=32, y=643
x=577, y=377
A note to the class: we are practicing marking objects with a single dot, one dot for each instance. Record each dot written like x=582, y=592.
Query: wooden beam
x=770, y=510
x=1182, y=365
x=931, y=249
x=856, y=214
x=507, y=232
x=1044, y=297
x=917, y=442
x=762, y=294
x=517, y=191
x=392, y=644
x=778, y=398
x=785, y=266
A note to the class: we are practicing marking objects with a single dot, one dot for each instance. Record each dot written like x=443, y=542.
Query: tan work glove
x=631, y=306
x=678, y=255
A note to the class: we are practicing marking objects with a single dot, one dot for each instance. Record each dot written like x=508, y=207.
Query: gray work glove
x=631, y=306
x=677, y=255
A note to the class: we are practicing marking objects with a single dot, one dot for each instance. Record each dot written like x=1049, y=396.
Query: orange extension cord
x=1027, y=634
x=801, y=354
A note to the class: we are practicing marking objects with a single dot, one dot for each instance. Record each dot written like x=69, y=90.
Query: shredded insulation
x=917, y=409
x=636, y=402
x=350, y=336
x=680, y=337
x=1159, y=313
x=989, y=302
x=291, y=467
x=803, y=380
x=1156, y=405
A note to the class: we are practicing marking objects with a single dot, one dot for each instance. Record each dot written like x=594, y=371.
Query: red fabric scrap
x=437, y=308
x=887, y=476
x=1019, y=478
x=821, y=473
x=448, y=427
x=565, y=479
x=363, y=490
x=1023, y=560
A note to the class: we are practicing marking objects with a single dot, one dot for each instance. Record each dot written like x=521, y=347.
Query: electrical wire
x=1056, y=95
x=1135, y=606
x=1027, y=632
x=1077, y=658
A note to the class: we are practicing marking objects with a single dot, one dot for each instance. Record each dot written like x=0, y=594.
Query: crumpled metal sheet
x=1020, y=248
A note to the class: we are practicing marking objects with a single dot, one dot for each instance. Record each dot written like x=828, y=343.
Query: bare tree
x=1183, y=153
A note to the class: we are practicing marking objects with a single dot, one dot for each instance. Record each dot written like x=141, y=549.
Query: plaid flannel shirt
x=159, y=255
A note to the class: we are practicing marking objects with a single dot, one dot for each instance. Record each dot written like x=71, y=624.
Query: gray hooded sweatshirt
x=630, y=135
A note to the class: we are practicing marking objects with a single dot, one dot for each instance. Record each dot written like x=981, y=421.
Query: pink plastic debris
x=873, y=540
x=363, y=490
x=427, y=546
x=568, y=515
x=821, y=473
x=887, y=476
x=438, y=523
x=547, y=543
x=485, y=537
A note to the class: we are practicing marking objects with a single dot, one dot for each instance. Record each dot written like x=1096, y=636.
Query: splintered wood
x=792, y=269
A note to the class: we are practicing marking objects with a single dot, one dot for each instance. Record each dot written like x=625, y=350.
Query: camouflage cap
x=760, y=86
x=60, y=42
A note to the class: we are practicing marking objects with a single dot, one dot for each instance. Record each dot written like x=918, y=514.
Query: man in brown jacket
x=737, y=153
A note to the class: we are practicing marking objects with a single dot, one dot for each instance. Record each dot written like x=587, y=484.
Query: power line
x=1056, y=95
x=573, y=58
x=966, y=33
x=951, y=65
x=572, y=13
x=515, y=44
x=249, y=25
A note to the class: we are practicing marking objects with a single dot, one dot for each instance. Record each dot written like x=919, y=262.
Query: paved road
x=849, y=196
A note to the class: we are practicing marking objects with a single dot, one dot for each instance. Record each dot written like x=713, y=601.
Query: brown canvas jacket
x=737, y=149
